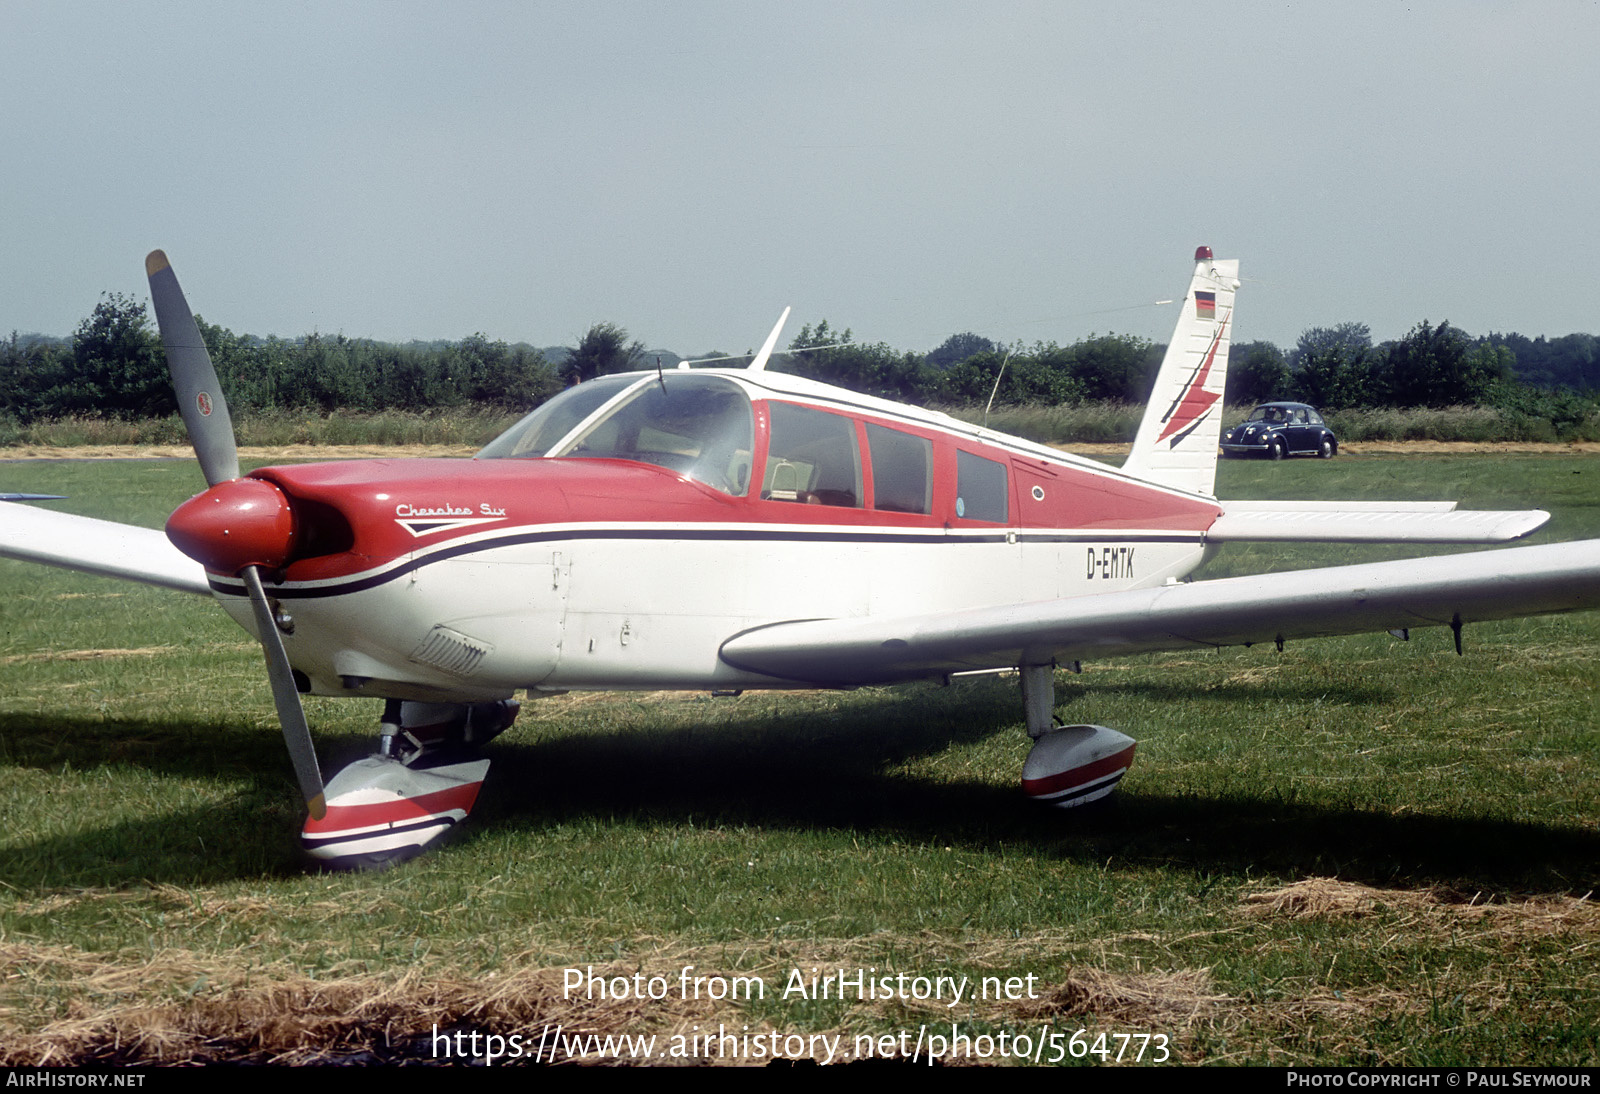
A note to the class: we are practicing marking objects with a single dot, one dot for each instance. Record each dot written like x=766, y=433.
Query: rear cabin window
x=812, y=458
x=902, y=471
x=981, y=489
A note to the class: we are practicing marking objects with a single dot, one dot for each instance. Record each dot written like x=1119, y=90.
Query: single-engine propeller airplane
x=737, y=528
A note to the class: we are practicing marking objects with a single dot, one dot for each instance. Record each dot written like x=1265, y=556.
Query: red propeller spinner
x=239, y=523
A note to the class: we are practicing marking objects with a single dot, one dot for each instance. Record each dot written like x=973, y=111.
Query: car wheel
x=1277, y=450
x=1327, y=449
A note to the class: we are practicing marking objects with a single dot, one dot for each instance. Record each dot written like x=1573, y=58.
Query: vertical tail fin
x=1177, y=440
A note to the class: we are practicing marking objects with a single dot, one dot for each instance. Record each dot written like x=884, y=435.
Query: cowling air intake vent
x=451, y=651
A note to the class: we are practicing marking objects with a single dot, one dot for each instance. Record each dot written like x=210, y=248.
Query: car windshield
x=1269, y=414
x=701, y=426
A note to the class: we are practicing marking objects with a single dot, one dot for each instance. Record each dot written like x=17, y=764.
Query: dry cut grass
x=221, y=1008
x=1330, y=898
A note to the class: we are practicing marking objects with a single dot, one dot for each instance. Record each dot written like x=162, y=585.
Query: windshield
x=535, y=434
x=1269, y=414
x=701, y=426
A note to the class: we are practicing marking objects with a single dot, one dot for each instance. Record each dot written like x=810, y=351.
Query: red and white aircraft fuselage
x=460, y=581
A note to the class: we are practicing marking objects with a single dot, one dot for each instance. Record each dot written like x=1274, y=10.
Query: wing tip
x=1532, y=520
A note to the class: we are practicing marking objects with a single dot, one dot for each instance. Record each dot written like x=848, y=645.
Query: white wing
x=1419, y=592
x=98, y=547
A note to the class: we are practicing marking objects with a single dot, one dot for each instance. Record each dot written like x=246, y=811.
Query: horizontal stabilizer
x=101, y=547
x=1372, y=525
x=1253, y=506
x=1410, y=594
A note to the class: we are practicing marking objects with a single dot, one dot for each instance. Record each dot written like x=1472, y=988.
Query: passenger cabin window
x=981, y=489
x=700, y=426
x=902, y=470
x=811, y=458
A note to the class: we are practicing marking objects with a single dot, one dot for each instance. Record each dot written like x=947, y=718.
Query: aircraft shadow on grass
x=800, y=770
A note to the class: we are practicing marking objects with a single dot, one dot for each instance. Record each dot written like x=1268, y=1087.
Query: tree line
x=113, y=366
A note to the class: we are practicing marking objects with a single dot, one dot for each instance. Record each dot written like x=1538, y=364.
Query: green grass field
x=1355, y=851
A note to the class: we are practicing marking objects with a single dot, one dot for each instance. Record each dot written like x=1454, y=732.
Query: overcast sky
x=1022, y=170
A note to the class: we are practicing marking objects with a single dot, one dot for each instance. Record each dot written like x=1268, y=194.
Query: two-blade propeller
x=205, y=415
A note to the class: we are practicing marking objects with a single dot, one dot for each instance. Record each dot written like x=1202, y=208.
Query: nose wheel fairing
x=1076, y=765
x=423, y=781
x=1068, y=765
x=380, y=811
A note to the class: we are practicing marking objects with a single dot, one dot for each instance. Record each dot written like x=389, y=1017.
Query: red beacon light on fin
x=1203, y=254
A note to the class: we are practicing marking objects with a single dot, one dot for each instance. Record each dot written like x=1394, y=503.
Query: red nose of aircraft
x=245, y=522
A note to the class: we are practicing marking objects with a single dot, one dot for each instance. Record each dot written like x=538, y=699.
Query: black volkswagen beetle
x=1277, y=430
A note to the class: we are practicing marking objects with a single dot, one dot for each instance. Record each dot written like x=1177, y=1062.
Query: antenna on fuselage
x=996, y=390
x=770, y=344
x=758, y=361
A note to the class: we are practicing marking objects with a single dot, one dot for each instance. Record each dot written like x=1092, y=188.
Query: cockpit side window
x=812, y=457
